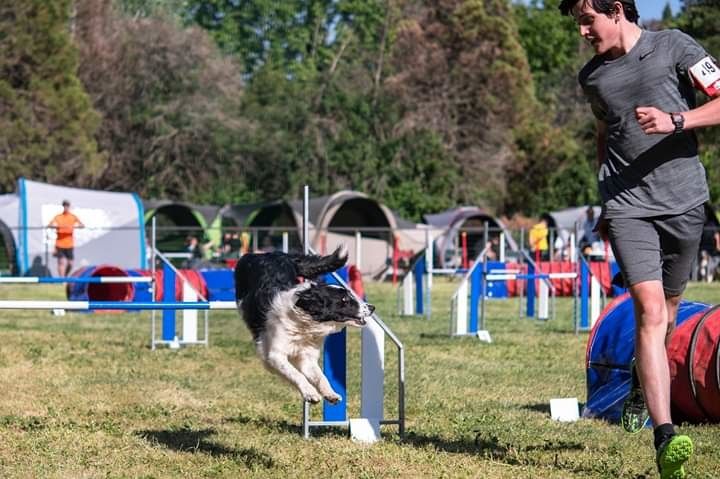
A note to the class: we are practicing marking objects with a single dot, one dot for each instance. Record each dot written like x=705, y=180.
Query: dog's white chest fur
x=290, y=329
x=290, y=345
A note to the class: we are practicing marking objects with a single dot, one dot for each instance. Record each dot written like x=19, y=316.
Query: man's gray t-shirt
x=647, y=175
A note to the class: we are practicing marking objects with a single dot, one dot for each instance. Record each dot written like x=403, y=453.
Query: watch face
x=679, y=121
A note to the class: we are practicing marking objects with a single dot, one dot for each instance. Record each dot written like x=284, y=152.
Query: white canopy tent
x=114, y=230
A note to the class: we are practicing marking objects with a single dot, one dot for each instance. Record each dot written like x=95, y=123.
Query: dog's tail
x=311, y=265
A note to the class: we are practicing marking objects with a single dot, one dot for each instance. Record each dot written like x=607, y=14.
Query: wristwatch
x=679, y=122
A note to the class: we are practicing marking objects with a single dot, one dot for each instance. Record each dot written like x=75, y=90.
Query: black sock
x=662, y=432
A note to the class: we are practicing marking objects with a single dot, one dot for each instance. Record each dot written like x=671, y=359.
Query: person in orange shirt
x=65, y=224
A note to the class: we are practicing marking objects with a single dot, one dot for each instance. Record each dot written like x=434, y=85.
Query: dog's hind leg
x=308, y=365
x=279, y=363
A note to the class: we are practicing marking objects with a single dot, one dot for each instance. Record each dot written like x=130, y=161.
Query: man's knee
x=651, y=313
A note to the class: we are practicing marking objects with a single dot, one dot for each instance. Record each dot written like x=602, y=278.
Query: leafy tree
x=561, y=146
x=667, y=14
x=550, y=41
x=46, y=119
x=170, y=103
x=459, y=70
x=153, y=8
x=292, y=34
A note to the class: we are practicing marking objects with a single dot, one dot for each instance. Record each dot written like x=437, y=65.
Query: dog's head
x=325, y=303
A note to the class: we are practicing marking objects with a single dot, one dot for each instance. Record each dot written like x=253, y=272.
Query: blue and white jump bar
x=71, y=279
x=118, y=305
x=515, y=276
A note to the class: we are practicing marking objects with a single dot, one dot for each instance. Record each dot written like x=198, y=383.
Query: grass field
x=83, y=396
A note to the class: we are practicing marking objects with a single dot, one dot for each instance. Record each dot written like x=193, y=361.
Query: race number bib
x=706, y=75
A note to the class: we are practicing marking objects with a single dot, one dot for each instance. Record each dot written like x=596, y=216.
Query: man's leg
x=68, y=267
x=651, y=326
x=672, y=303
x=61, y=264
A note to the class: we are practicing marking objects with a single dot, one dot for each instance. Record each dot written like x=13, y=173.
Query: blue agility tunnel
x=610, y=349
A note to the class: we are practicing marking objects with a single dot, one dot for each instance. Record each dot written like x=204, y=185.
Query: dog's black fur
x=288, y=318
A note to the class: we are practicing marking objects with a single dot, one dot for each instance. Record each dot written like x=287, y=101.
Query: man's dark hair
x=604, y=6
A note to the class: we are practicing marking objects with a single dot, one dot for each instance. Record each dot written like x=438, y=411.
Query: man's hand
x=654, y=121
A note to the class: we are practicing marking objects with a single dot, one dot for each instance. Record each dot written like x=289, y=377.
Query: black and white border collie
x=289, y=317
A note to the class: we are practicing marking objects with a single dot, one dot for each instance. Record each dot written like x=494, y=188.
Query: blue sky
x=652, y=9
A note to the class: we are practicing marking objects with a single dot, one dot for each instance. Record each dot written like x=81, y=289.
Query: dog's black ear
x=312, y=266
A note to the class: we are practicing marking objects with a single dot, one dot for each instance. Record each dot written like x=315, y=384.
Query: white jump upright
x=595, y=296
x=544, y=300
x=459, y=309
x=190, y=316
x=408, y=299
x=372, y=378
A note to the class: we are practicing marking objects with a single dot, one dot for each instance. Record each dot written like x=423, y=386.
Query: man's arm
x=653, y=120
x=704, y=115
x=601, y=150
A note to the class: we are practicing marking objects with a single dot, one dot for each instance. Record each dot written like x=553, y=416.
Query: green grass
x=83, y=396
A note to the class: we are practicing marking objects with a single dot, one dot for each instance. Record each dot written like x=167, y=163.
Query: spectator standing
x=64, y=225
x=538, y=238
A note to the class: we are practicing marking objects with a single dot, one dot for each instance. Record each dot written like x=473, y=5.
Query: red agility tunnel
x=693, y=357
x=100, y=291
x=193, y=277
x=694, y=368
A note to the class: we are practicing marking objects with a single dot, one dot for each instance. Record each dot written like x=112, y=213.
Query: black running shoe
x=635, y=415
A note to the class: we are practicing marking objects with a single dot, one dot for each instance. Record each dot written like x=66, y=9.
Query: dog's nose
x=371, y=308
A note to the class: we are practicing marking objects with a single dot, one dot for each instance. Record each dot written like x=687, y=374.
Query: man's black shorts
x=64, y=253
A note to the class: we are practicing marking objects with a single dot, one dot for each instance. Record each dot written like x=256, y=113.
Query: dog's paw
x=312, y=397
x=333, y=398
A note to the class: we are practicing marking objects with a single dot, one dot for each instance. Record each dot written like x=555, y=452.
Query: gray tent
x=176, y=220
x=333, y=220
x=568, y=218
x=267, y=221
x=453, y=221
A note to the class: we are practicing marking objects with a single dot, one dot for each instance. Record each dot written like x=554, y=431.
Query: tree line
x=422, y=105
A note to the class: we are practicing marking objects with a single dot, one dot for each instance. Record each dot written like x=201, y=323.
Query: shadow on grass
x=543, y=408
x=286, y=427
x=196, y=441
x=490, y=446
x=517, y=455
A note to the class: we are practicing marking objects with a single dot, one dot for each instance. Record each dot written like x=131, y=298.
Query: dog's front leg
x=279, y=363
x=308, y=365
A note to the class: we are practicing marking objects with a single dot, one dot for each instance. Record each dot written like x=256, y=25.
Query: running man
x=641, y=89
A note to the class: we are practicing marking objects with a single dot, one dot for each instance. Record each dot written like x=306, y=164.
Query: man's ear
x=618, y=10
